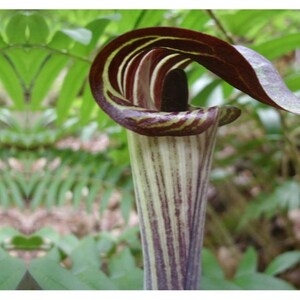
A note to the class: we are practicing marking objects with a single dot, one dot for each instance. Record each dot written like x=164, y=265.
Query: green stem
x=171, y=175
x=48, y=48
x=220, y=26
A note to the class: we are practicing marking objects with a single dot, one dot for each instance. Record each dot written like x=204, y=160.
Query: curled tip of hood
x=127, y=79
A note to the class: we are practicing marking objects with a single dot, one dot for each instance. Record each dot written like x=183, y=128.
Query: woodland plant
x=138, y=79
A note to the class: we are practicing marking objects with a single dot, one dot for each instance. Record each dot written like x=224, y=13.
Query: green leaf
x=258, y=281
x=208, y=283
x=2, y=43
x=114, y=174
x=92, y=194
x=51, y=276
x=287, y=195
x=68, y=243
x=122, y=263
x=16, y=29
x=124, y=273
x=131, y=237
x=195, y=20
x=65, y=187
x=22, y=183
x=38, y=29
x=247, y=23
x=11, y=83
x=97, y=28
x=227, y=89
x=27, y=27
x=85, y=256
x=210, y=266
x=40, y=191
x=105, y=199
x=132, y=280
x=14, y=190
x=60, y=41
x=7, y=233
x=33, y=180
x=248, y=263
x=27, y=243
x=3, y=254
x=283, y=262
x=55, y=254
x=81, y=35
x=102, y=170
x=4, y=200
x=126, y=205
x=19, y=59
x=128, y=20
x=105, y=243
x=293, y=82
x=54, y=187
x=278, y=46
x=78, y=189
x=48, y=234
x=71, y=86
x=96, y=280
x=87, y=106
x=149, y=18
x=12, y=271
x=46, y=78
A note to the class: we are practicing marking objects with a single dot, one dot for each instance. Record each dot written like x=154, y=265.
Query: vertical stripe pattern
x=171, y=177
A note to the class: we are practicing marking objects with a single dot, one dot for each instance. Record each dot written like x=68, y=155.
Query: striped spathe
x=170, y=177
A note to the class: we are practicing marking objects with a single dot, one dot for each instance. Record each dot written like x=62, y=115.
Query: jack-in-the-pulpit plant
x=139, y=80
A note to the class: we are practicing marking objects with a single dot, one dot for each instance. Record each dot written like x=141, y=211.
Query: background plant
x=46, y=106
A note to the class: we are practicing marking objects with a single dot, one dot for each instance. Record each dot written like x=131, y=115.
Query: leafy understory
x=103, y=261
